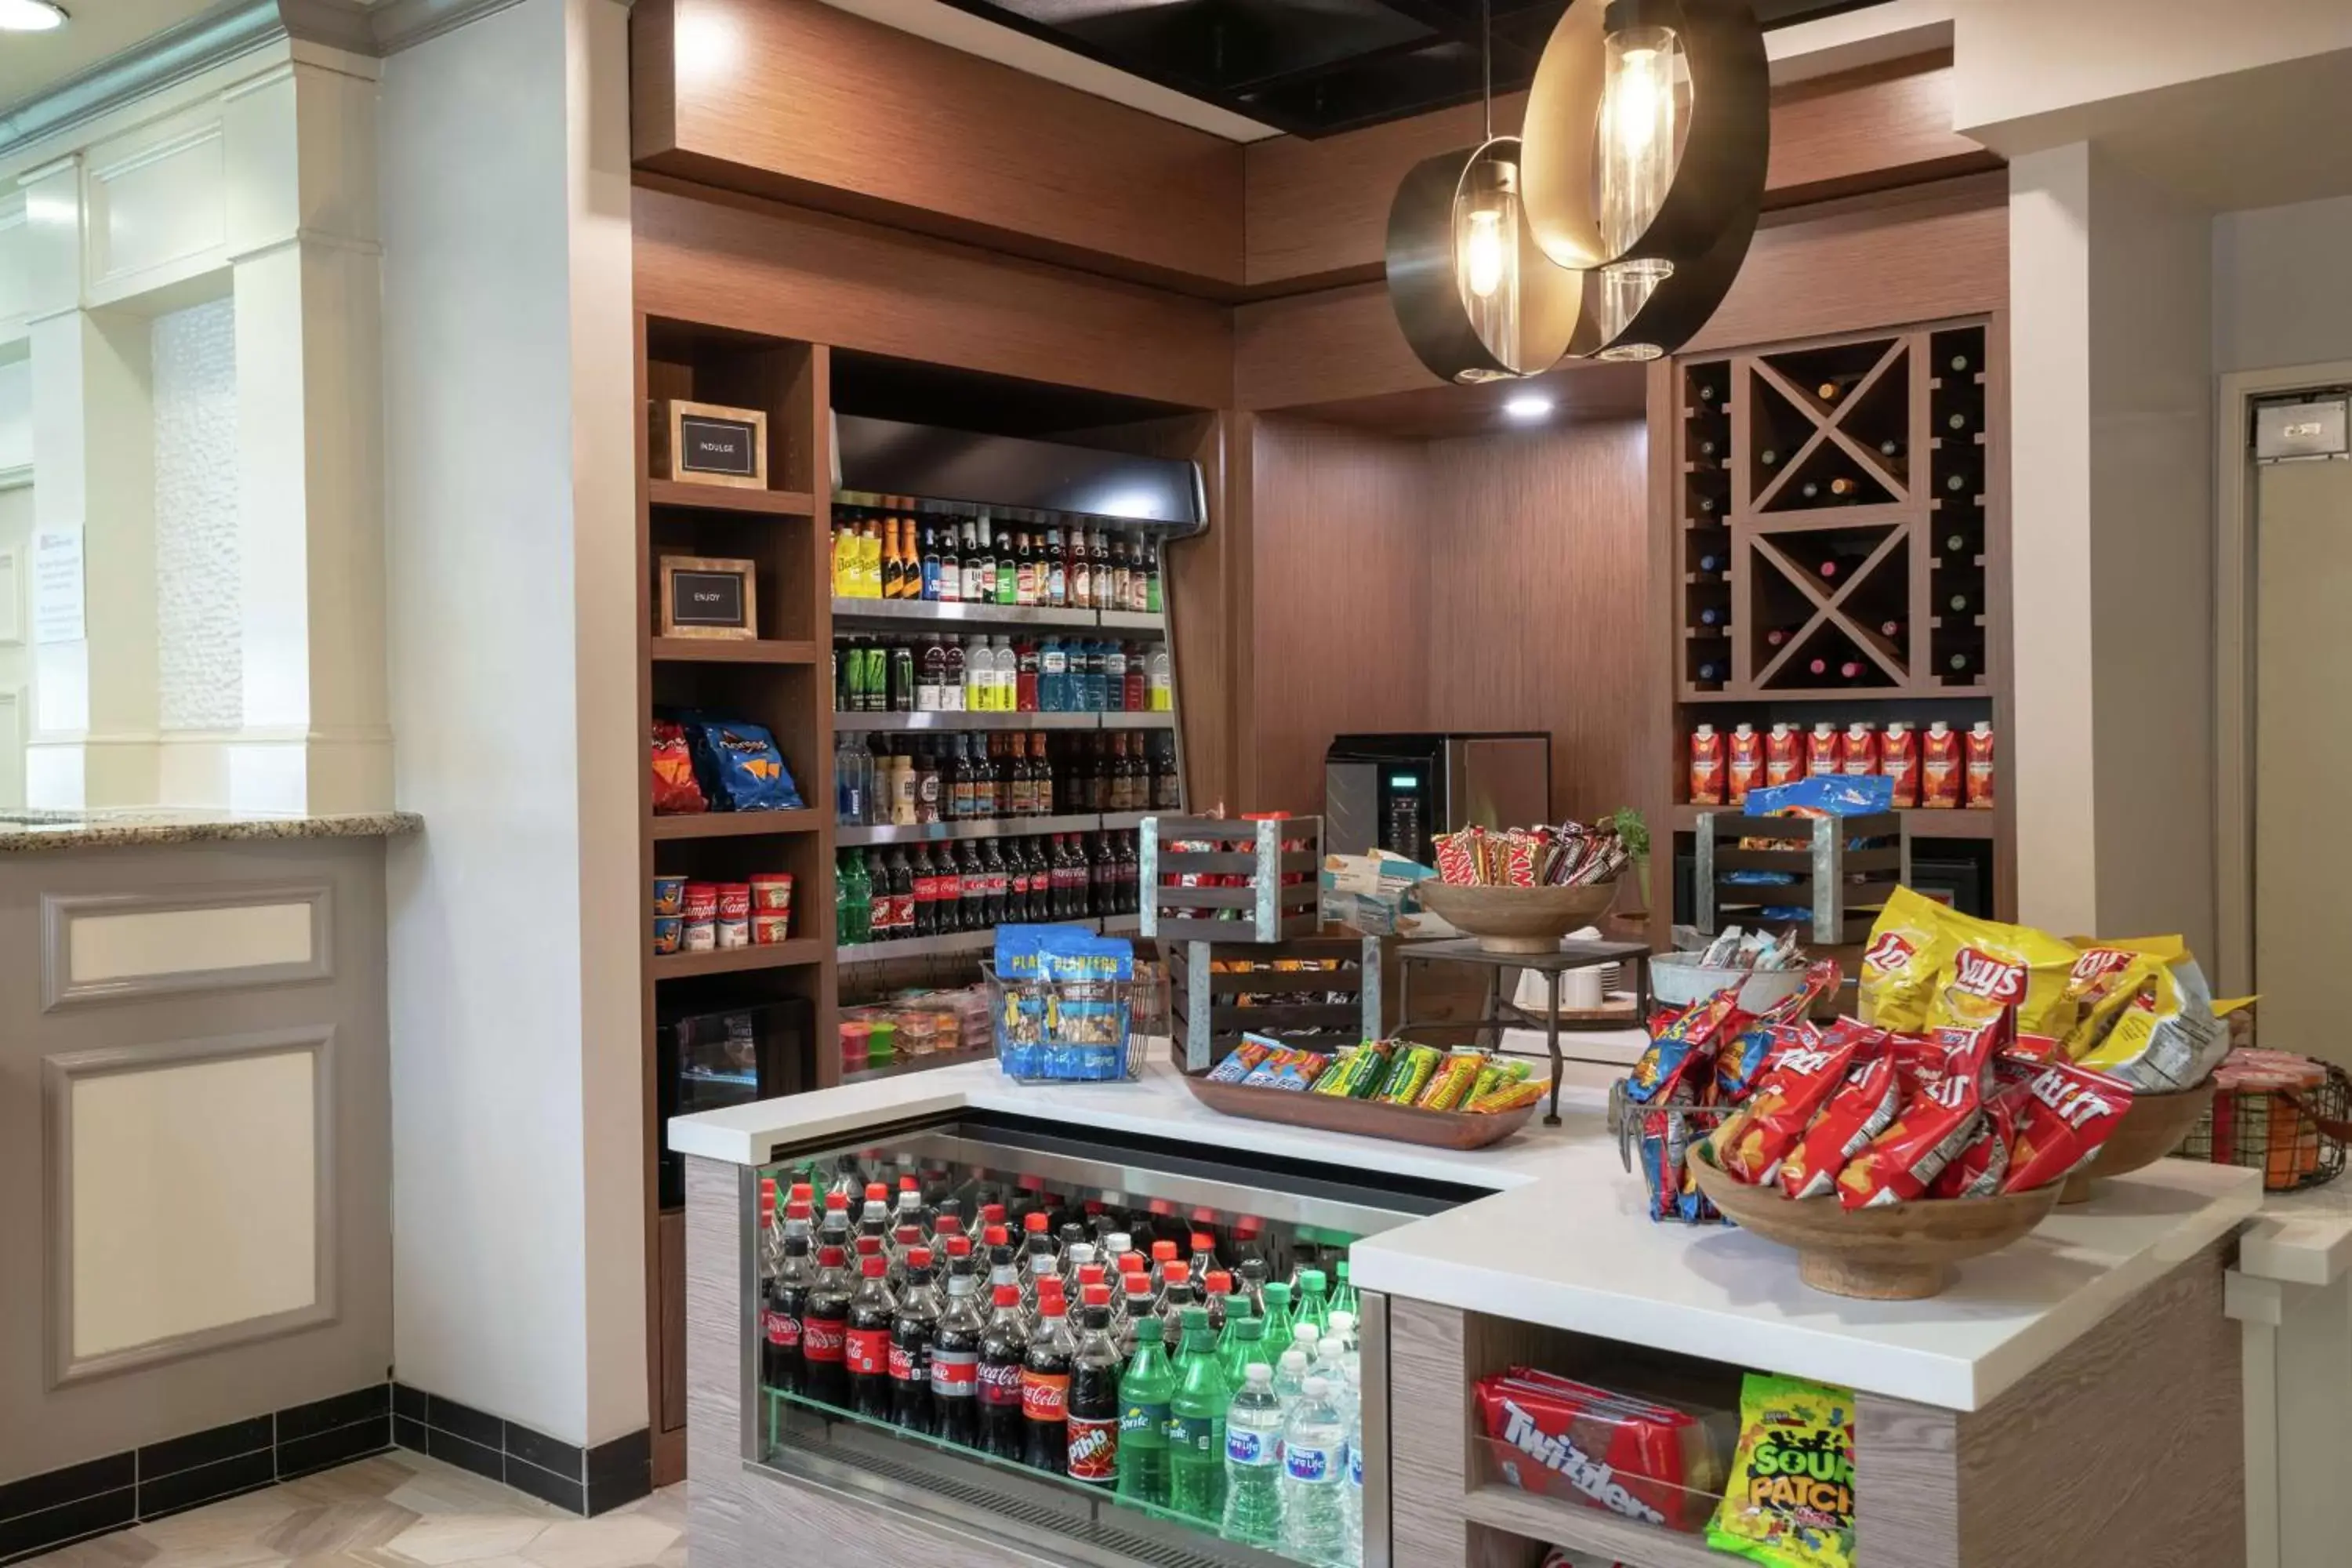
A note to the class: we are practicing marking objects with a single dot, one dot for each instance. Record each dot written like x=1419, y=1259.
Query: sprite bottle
x=1144, y=1395
x=1196, y=1426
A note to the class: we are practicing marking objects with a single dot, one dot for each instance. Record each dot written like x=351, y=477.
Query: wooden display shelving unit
x=1838, y=548
x=773, y=681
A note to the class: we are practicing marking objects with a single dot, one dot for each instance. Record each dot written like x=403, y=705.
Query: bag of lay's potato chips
x=1991, y=968
x=1907, y=944
x=2167, y=1037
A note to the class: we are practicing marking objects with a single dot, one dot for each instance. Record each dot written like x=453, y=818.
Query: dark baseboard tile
x=40, y=1513
x=585, y=1482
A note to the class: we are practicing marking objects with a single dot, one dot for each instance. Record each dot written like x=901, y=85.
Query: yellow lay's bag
x=1908, y=944
x=2166, y=1036
x=1991, y=967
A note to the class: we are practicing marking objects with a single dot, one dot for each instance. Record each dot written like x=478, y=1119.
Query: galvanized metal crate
x=1841, y=885
x=1250, y=888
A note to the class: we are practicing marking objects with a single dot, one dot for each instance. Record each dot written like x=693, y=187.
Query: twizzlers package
x=1634, y=1458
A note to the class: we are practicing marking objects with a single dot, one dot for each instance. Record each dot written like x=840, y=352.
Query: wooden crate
x=1275, y=897
x=1210, y=1014
x=1842, y=909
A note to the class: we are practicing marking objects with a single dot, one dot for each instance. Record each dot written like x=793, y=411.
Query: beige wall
x=2279, y=286
x=2113, y=546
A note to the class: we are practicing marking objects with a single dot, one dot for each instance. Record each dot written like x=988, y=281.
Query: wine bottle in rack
x=1715, y=566
x=1957, y=604
x=1848, y=490
x=1778, y=636
x=1713, y=671
x=1851, y=669
x=1714, y=617
x=1959, y=663
x=1708, y=506
x=1831, y=388
x=1891, y=447
x=1958, y=484
x=1961, y=420
x=1957, y=545
x=1703, y=393
x=1960, y=364
x=1768, y=457
x=1892, y=630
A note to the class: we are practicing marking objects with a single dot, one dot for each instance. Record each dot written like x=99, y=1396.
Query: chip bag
x=1908, y=942
x=2166, y=1036
x=1790, y=1503
x=1935, y=1123
x=1982, y=1166
x=1668, y=1069
x=2065, y=1114
x=675, y=789
x=1994, y=968
x=1857, y=1113
x=1750, y=1143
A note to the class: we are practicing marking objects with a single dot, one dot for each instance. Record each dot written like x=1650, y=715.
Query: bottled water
x=1290, y=1381
x=1315, y=1480
x=1331, y=1366
x=1343, y=1328
x=1355, y=1553
x=1254, y=1462
x=1306, y=1339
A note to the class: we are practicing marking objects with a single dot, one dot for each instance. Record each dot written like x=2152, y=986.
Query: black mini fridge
x=713, y=1057
x=1399, y=792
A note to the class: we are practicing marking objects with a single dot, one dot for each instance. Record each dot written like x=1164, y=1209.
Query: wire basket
x=2296, y=1138
x=1657, y=1141
x=1075, y=1031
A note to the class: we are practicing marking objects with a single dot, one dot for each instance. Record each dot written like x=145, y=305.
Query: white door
x=16, y=640
x=2303, y=755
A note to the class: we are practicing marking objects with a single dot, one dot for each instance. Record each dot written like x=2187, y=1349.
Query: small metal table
x=1498, y=1012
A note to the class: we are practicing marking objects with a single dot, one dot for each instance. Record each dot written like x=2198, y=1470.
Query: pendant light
x=1613, y=227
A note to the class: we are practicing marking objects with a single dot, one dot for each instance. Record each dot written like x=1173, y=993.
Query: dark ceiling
x=1316, y=66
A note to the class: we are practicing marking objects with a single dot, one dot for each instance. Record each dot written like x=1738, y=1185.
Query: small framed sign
x=706, y=597
x=707, y=443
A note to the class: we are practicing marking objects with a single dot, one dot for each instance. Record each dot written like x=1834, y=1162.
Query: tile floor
x=395, y=1510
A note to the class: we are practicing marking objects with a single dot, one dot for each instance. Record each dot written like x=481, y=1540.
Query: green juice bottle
x=1196, y=1426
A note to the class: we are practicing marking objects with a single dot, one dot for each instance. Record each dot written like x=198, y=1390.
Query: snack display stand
x=1500, y=1011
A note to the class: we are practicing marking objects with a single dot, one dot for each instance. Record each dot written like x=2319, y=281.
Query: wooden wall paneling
x=1319, y=210
x=1338, y=640
x=1538, y=549
x=758, y=268
x=808, y=103
x=1857, y=265
x=1339, y=343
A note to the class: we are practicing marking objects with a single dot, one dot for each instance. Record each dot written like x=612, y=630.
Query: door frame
x=2233, y=672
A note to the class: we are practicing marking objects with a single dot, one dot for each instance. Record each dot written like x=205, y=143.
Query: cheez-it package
x=1749, y=1143
x=1935, y=1126
x=1854, y=1115
x=2065, y=1114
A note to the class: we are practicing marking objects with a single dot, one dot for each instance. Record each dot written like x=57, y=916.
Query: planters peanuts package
x=738, y=765
x=1064, y=1013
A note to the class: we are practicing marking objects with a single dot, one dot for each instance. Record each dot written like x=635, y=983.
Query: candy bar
x=1508, y=1095
x=1790, y=1500
x=1409, y=1074
x=1449, y=1086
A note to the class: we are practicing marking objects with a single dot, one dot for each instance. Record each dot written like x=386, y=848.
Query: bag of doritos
x=1907, y=944
x=1790, y=1500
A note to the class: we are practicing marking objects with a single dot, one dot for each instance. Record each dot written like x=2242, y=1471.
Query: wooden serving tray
x=1364, y=1118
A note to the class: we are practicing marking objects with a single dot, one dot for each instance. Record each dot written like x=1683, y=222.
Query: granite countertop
x=26, y=831
x=1563, y=1239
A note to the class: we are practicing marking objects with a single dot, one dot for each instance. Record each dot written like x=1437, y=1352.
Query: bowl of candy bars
x=1521, y=889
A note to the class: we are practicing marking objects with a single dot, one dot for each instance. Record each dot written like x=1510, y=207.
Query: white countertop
x=2301, y=1238
x=1563, y=1239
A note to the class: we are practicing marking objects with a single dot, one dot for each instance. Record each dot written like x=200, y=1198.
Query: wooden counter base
x=2127, y=1448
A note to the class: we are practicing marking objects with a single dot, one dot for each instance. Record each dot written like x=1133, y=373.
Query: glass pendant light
x=1642, y=83
x=1487, y=231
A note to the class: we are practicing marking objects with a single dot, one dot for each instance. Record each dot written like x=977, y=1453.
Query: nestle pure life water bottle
x=1253, y=1461
x=1315, y=1479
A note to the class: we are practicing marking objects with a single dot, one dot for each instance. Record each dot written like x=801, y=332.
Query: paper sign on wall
x=57, y=586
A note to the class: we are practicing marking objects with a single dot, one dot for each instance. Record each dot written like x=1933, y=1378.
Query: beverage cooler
x=972, y=1407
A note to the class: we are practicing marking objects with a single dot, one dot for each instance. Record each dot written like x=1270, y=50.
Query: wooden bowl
x=1517, y=919
x=1902, y=1253
x=1364, y=1118
x=2150, y=1130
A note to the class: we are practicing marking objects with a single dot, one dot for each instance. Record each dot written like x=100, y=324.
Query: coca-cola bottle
x=1094, y=1408
x=910, y=1209
x=1003, y=1263
x=871, y=1312
x=1177, y=1296
x=780, y=1320
x=1003, y=1348
x=1045, y=1382
x=832, y=1230
x=873, y=1218
x=912, y=1333
x=955, y=1351
x=1139, y=1314
x=825, y=1330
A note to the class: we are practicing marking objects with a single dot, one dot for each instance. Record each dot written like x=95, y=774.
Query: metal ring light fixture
x=1628, y=206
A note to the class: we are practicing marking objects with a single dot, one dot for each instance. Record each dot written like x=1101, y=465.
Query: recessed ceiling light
x=1527, y=406
x=31, y=15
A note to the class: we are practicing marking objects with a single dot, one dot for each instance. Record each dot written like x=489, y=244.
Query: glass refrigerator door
x=1274, y=1228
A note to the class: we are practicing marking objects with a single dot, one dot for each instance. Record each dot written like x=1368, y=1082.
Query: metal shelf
x=1133, y=621
x=899, y=1066
x=940, y=612
x=1125, y=719
x=986, y=827
x=967, y=941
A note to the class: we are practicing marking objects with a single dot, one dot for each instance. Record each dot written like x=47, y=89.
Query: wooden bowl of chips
x=1517, y=919
x=2150, y=1130
x=1904, y=1252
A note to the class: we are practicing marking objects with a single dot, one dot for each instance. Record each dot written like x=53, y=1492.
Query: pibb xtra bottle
x=1094, y=1404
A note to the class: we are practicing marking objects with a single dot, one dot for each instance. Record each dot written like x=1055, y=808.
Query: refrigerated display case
x=1287, y=1215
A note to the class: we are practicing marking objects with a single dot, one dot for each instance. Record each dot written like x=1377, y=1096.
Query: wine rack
x=1833, y=522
